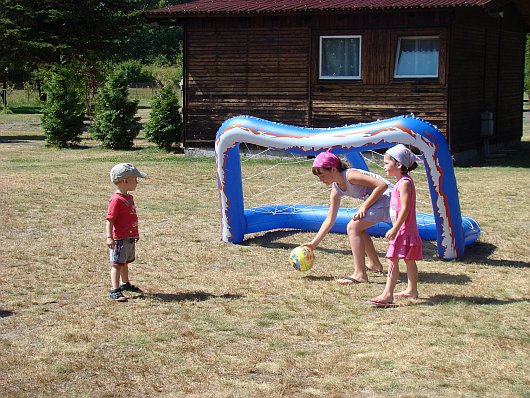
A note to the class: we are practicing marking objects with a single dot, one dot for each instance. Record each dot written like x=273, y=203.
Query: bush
x=63, y=111
x=115, y=123
x=164, y=127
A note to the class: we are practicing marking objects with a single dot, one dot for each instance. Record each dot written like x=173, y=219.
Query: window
x=340, y=57
x=417, y=56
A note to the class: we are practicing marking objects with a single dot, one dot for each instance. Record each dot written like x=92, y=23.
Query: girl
x=405, y=241
x=360, y=184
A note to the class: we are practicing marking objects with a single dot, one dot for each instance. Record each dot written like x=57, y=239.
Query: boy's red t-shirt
x=122, y=212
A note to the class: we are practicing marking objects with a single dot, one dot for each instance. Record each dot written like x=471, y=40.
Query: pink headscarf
x=326, y=160
x=403, y=155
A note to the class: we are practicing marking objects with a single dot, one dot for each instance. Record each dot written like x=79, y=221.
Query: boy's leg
x=115, y=273
x=124, y=273
x=115, y=291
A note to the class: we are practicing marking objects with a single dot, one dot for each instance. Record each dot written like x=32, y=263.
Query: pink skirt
x=406, y=247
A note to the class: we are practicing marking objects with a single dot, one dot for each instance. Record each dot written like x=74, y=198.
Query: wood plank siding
x=486, y=64
x=259, y=71
x=268, y=67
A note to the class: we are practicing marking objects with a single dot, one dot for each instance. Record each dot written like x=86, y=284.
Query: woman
x=375, y=192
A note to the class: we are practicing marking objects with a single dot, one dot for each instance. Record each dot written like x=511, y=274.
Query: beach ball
x=302, y=258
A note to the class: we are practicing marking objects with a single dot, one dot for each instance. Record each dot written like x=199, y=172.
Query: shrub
x=115, y=123
x=63, y=111
x=164, y=127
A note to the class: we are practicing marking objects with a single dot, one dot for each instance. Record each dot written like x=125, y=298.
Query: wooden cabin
x=456, y=63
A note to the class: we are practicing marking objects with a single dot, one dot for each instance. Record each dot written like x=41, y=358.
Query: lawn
x=223, y=320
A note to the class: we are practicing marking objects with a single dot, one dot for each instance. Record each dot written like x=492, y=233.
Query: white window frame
x=398, y=51
x=358, y=77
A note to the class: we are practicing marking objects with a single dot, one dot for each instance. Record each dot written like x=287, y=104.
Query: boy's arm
x=108, y=229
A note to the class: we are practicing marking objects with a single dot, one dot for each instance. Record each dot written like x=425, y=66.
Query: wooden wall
x=486, y=66
x=259, y=71
x=268, y=67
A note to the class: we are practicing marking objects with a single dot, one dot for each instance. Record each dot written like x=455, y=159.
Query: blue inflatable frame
x=451, y=230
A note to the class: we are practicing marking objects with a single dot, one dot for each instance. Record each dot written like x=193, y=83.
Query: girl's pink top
x=407, y=243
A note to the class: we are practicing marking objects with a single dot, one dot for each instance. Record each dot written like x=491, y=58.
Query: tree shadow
x=189, y=296
x=26, y=110
x=451, y=299
x=6, y=313
x=20, y=139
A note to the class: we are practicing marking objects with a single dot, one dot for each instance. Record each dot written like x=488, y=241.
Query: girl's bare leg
x=412, y=275
x=355, y=236
x=374, y=263
x=391, y=282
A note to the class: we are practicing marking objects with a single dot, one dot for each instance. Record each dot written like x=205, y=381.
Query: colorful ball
x=302, y=258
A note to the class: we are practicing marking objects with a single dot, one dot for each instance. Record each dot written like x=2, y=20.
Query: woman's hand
x=361, y=213
x=309, y=245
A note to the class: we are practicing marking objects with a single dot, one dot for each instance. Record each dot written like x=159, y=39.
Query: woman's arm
x=405, y=189
x=378, y=186
x=334, y=204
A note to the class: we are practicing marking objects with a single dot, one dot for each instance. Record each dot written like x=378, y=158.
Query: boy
x=122, y=228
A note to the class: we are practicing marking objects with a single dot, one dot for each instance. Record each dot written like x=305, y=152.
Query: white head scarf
x=403, y=155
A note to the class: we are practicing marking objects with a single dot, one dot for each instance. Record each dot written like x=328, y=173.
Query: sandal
x=117, y=295
x=130, y=288
x=348, y=280
x=380, y=303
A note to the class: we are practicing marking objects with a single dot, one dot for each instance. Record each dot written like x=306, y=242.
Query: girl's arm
x=405, y=189
x=379, y=187
x=334, y=204
x=108, y=229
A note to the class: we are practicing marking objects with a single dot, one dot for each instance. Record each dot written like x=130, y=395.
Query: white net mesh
x=273, y=178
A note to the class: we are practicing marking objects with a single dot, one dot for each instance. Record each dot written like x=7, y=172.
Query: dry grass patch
x=222, y=320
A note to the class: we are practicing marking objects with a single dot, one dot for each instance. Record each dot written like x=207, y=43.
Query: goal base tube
x=310, y=218
x=347, y=140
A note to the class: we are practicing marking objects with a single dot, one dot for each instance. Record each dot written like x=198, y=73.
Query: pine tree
x=164, y=127
x=63, y=111
x=115, y=123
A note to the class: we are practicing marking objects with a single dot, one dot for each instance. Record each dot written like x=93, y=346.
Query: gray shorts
x=381, y=214
x=124, y=252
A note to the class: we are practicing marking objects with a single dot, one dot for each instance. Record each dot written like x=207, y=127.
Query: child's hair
x=318, y=170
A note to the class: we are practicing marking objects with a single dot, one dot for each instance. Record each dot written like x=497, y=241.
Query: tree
x=59, y=31
x=164, y=127
x=115, y=123
x=63, y=111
